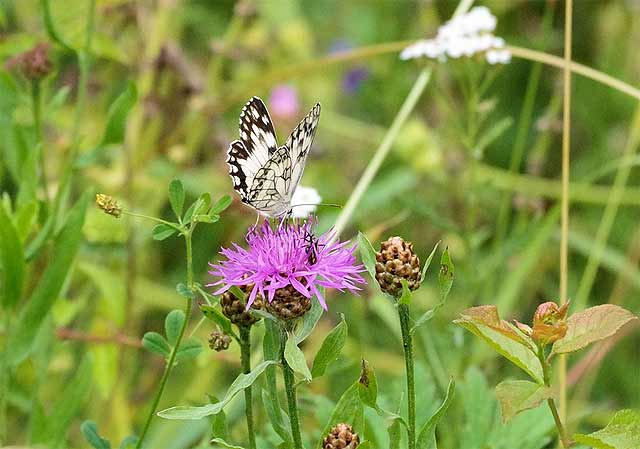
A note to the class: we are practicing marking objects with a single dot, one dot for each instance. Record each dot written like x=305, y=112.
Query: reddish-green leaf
x=516, y=396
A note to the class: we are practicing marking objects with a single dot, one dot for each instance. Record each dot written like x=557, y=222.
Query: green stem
x=4, y=379
x=245, y=357
x=405, y=326
x=562, y=433
x=292, y=401
x=36, y=98
x=174, y=351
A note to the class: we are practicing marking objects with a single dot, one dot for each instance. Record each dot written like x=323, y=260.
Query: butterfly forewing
x=264, y=175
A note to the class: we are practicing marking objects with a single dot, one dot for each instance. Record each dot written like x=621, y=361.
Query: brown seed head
x=236, y=310
x=341, y=436
x=288, y=303
x=395, y=261
x=219, y=341
x=34, y=64
x=108, y=205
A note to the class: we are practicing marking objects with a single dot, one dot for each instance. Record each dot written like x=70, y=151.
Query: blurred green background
x=451, y=175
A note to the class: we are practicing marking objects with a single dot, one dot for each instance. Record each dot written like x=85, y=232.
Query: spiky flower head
x=396, y=261
x=34, y=64
x=108, y=204
x=234, y=308
x=219, y=341
x=288, y=258
x=341, y=436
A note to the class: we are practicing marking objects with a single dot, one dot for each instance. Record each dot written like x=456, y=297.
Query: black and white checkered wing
x=299, y=143
x=256, y=146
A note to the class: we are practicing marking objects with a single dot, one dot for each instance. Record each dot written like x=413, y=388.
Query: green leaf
x=484, y=322
x=349, y=409
x=213, y=314
x=49, y=286
x=11, y=262
x=622, y=432
x=218, y=421
x=176, y=196
x=427, y=263
x=172, y=325
x=330, y=349
x=162, y=231
x=242, y=381
x=154, y=342
x=394, y=434
x=426, y=436
x=221, y=205
x=310, y=320
x=129, y=442
x=185, y=291
x=295, y=358
x=189, y=349
x=445, y=276
x=25, y=218
x=202, y=218
x=70, y=402
x=367, y=254
x=90, y=431
x=368, y=386
x=516, y=396
x=405, y=298
x=219, y=442
x=591, y=325
x=199, y=206
x=271, y=347
x=274, y=412
x=117, y=115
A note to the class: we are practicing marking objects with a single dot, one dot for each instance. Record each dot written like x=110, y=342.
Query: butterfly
x=265, y=175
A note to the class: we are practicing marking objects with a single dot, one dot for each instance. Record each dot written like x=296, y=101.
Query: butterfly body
x=265, y=175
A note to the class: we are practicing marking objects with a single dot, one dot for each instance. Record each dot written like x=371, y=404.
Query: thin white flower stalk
x=463, y=36
x=304, y=201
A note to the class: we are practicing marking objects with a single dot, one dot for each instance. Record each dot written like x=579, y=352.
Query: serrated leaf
x=446, y=274
x=176, y=196
x=349, y=409
x=213, y=314
x=48, y=288
x=591, y=325
x=426, y=436
x=367, y=254
x=484, y=322
x=295, y=358
x=427, y=263
x=516, y=396
x=368, y=386
x=189, y=349
x=12, y=262
x=330, y=349
x=221, y=205
x=156, y=343
x=185, y=291
x=622, y=432
x=405, y=298
x=172, y=325
x=90, y=431
x=162, y=231
x=242, y=381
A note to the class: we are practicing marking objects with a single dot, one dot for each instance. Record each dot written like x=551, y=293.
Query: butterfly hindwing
x=299, y=144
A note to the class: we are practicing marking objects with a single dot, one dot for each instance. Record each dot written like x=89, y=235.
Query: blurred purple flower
x=354, y=78
x=284, y=256
x=284, y=102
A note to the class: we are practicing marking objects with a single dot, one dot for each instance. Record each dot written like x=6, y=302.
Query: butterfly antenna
x=339, y=206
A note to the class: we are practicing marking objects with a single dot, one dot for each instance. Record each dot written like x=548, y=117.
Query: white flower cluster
x=464, y=35
x=307, y=198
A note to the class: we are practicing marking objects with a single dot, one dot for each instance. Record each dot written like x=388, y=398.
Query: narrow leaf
x=445, y=276
x=295, y=358
x=172, y=325
x=154, y=342
x=221, y=205
x=50, y=284
x=217, y=317
x=242, y=381
x=591, y=325
x=11, y=261
x=427, y=263
x=129, y=442
x=427, y=432
x=622, y=432
x=90, y=431
x=516, y=396
x=349, y=409
x=219, y=442
x=309, y=321
x=394, y=434
x=330, y=349
x=368, y=386
x=405, y=298
x=176, y=196
x=162, y=231
x=272, y=407
x=117, y=115
x=367, y=254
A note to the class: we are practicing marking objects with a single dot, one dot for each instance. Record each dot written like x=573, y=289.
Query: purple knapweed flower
x=289, y=255
x=284, y=102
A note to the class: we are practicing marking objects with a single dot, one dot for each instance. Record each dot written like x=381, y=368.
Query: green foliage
x=518, y=395
x=622, y=432
x=90, y=431
x=330, y=349
x=367, y=254
x=295, y=358
x=176, y=197
x=426, y=436
x=349, y=409
x=12, y=261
